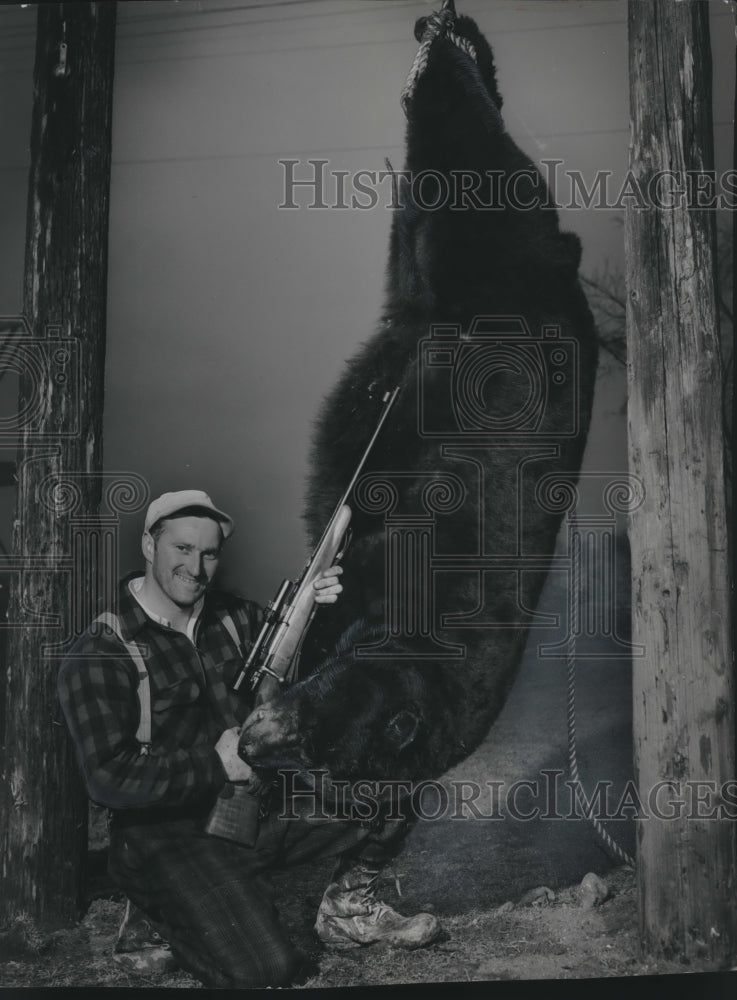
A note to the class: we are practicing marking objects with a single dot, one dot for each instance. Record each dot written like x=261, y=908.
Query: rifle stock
x=273, y=660
x=235, y=814
x=294, y=617
x=236, y=811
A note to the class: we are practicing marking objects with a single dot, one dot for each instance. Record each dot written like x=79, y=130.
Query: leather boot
x=350, y=915
x=139, y=946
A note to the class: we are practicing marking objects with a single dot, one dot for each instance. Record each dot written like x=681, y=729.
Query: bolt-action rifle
x=272, y=663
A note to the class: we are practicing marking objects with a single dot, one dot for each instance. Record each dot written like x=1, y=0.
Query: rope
x=437, y=25
x=610, y=843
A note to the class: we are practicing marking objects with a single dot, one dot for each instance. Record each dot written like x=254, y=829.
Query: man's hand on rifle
x=328, y=586
x=227, y=749
x=325, y=588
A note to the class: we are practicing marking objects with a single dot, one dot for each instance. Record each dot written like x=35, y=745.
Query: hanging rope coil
x=438, y=25
x=574, y=598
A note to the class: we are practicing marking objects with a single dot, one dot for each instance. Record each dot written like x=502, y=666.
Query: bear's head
x=357, y=721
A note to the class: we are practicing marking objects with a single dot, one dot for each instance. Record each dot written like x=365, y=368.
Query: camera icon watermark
x=498, y=380
x=43, y=365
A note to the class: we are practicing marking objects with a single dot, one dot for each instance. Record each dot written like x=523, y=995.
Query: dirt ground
x=553, y=935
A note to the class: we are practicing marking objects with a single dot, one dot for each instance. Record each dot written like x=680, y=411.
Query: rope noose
x=611, y=844
x=437, y=25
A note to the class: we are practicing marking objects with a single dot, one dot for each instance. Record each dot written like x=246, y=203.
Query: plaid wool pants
x=214, y=898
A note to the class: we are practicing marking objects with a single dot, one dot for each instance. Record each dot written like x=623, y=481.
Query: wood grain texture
x=683, y=686
x=44, y=829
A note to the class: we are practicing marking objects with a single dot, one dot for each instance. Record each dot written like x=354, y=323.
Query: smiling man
x=182, y=555
x=181, y=543
x=147, y=696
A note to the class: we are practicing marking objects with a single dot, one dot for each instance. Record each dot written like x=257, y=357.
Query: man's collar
x=135, y=586
x=130, y=613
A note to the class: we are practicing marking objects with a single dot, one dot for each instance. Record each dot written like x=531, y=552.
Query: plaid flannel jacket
x=191, y=704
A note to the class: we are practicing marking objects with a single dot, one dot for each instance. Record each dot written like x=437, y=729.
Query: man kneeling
x=147, y=697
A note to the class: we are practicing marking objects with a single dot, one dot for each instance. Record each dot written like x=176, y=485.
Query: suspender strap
x=230, y=626
x=143, y=734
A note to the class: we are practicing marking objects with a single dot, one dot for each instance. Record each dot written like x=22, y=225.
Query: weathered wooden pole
x=683, y=686
x=733, y=305
x=44, y=814
x=732, y=492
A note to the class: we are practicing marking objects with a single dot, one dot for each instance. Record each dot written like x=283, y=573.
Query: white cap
x=170, y=503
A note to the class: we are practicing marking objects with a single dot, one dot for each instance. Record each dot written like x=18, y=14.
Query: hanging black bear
x=489, y=336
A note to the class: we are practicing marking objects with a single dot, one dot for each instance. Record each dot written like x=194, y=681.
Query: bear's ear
x=402, y=729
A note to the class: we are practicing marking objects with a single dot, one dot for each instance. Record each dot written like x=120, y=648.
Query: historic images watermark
x=313, y=184
x=318, y=796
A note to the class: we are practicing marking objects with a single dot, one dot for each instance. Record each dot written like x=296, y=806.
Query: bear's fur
x=407, y=715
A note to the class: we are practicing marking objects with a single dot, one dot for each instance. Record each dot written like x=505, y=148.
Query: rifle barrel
x=388, y=401
x=273, y=609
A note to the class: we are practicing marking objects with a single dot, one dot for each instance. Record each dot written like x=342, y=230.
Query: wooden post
x=733, y=381
x=683, y=686
x=44, y=827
